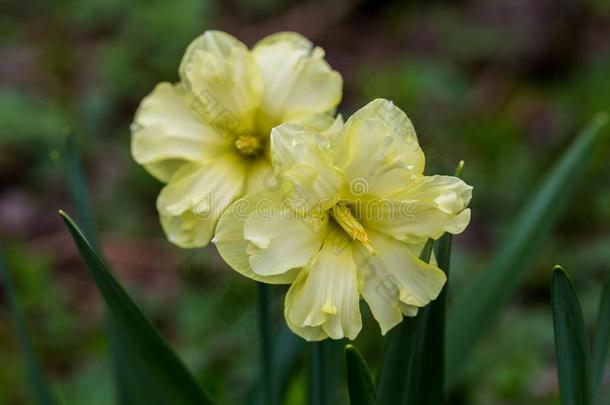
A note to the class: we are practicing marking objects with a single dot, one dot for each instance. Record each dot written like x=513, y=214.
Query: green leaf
x=426, y=252
x=571, y=344
x=131, y=385
x=431, y=382
x=400, y=380
x=169, y=380
x=602, y=335
x=40, y=389
x=359, y=382
x=131, y=378
x=477, y=307
x=431, y=346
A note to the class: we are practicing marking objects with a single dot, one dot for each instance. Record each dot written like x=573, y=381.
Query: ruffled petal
x=195, y=197
x=426, y=208
x=296, y=79
x=324, y=301
x=326, y=124
x=395, y=282
x=281, y=240
x=167, y=132
x=240, y=252
x=302, y=158
x=378, y=150
x=225, y=82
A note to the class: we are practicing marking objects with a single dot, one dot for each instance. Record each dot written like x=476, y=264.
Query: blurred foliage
x=503, y=85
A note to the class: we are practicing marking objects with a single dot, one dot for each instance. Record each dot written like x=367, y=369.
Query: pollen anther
x=248, y=144
x=344, y=217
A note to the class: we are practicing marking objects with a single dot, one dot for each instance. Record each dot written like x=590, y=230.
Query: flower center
x=249, y=145
x=344, y=217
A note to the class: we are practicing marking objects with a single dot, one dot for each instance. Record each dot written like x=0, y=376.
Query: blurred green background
x=504, y=85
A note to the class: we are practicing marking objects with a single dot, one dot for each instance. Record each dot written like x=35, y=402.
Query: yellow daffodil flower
x=349, y=221
x=207, y=136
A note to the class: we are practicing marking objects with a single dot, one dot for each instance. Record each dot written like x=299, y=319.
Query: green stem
x=437, y=319
x=318, y=387
x=265, y=323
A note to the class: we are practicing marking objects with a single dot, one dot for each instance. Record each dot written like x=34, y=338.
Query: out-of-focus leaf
x=359, y=382
x=40, y=389
x=476, y=308
x=77, y=187
x=602, y=335
x=399, y=380
x=571, y=343
x=169, y=380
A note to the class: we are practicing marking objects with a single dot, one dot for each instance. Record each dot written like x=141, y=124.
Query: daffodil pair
x=339, y=211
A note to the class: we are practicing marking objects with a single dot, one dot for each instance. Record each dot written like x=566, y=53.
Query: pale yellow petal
x=224, y=80
x=281, y=240
x=335, y=128
x=426, y=208
x=323, y=301
x=187, y=230
x=195, y=197
x=167, y=132
x=326, y=123
x=233, y=246
x=296, y=78
x=395, y=280
x=378, y=149
x=302, y=158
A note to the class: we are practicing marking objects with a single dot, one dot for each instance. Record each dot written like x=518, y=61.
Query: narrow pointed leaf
x=399, y=381
x=131, y=379
x=39, y=388
x=169, y=377
x=130, y=382
x=571, y=343
x=431, y=376
x=359, y=382
x=602, y=335
x=476, y=308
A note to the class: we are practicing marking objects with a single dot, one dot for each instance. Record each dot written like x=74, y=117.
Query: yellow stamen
x=344, y=217
x=248, y=144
